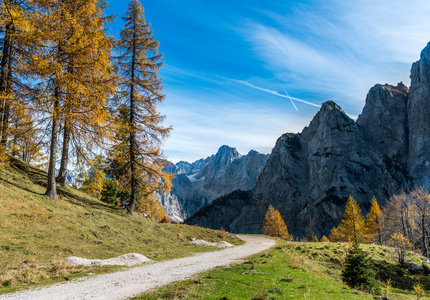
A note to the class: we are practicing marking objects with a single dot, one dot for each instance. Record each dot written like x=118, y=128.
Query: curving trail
x=125, y=284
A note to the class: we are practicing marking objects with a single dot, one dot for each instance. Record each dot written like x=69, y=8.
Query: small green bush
x=109, y=192
x=358, y=272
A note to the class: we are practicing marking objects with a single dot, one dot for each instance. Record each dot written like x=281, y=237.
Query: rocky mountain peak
x=330, y=106
x=310, y=175
x=425, y=53
x=226, y=155
x=419, y=121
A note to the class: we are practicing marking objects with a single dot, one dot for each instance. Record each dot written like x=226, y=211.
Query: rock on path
x=125, y=284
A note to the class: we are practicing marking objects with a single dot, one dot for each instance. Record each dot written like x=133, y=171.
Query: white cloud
x=340, y=49
x=201, y=128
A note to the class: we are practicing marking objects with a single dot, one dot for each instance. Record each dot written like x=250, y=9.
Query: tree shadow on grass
x=40, y=177
x=20, y=187
x=87, y=201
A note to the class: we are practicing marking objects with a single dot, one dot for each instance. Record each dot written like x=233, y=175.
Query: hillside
x=296, y=270
x=37, y=233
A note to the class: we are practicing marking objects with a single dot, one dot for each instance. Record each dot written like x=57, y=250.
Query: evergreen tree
x=140, y=90
x=372, y=228
x=274, y=225
x=358, y=272
x=312, y=236
x=109, y=192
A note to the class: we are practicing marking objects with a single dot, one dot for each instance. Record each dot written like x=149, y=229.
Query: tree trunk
x=5, y=65
x=423, y=225
x=51, y=190
x=64, y=154
x=133, y=197
x=6, y=113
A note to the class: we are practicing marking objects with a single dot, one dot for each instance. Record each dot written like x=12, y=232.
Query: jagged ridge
x=310, y=175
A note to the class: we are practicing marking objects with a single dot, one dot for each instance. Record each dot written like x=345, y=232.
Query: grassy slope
x=293, y=270
x=37, y=233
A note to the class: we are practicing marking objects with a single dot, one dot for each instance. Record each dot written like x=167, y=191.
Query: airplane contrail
x=290, y=98
x=273, y=92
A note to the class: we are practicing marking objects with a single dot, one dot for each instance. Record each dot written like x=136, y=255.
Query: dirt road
x=122, y=285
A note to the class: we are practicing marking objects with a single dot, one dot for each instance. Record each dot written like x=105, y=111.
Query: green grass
x=293, y=270
x=37, y=233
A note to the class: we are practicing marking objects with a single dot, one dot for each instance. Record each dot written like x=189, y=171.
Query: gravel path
x=122, y=285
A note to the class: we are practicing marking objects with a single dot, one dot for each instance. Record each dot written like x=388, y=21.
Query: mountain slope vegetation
x=37, y=233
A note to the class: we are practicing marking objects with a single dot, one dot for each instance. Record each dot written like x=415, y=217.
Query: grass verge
x=294, y=270
x=37, y=233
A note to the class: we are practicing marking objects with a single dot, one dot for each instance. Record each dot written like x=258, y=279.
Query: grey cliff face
x=310, y=175
x=385, y=120
x=419, y=119
x=198, y=184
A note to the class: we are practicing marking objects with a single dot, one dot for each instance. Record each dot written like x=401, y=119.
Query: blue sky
x=229, y=64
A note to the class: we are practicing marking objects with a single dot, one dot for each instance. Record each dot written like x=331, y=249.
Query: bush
x=109, y=192
x=358, y=272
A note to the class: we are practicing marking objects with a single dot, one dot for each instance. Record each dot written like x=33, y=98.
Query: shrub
x=401, y=244
x=109, y=192
x=358, y=272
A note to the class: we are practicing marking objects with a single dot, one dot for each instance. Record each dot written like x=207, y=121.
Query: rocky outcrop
x=385, y=120
x=198, y=184
x=310, y=175
x=419, y=119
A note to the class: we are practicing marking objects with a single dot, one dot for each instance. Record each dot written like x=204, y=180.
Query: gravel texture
x=125, y=284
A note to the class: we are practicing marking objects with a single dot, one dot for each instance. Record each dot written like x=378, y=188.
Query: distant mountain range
x=197, y=184
x=310, y=175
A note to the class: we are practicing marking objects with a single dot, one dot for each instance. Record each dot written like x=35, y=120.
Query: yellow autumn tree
x=372, y=226
x=71, y=64
x=401, y=244
x=14, y=45
x=335, y=235
x=95, y=178
x=152, y=207
x=352, y=226
x=324, y=239
x=274, y=225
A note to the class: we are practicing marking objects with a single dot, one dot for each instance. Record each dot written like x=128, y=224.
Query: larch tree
x=138, y=152
x=351, y=228
x=274, y=225
x=72, y=62
x=372, y=226
x=14, y=45
x=89, y=83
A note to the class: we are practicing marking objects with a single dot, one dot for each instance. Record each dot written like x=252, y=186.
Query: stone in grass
x=129, y=259
x=222, y=244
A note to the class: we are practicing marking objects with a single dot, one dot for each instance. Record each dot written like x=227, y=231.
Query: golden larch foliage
x=150, y=206
x=401, y=244
x=372, y=227
x=324, y=239
x=274, y=225
x=352, y=225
